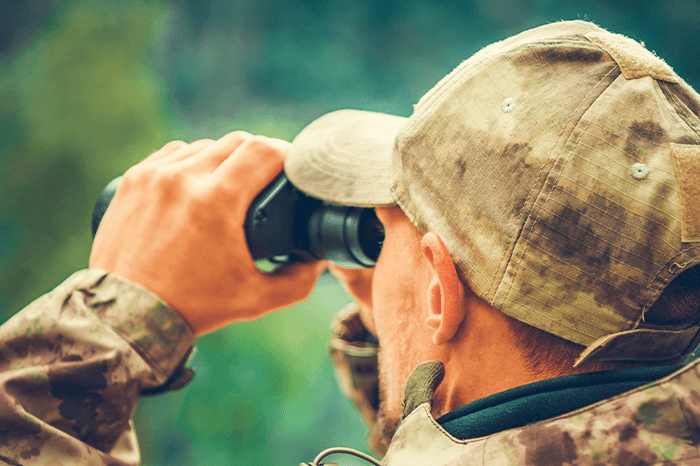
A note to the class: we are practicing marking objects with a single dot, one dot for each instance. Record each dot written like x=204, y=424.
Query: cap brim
x=344, y=157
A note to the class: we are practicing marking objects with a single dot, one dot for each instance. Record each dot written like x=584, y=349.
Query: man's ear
x=445, y=291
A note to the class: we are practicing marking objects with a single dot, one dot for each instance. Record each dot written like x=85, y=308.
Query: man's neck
x=482, y=362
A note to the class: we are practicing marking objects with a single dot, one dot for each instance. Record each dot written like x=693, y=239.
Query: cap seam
x=437, y=93
x=526, y=238
x=432, y=102
x=673, y=110
x=620, y=164
x=448, y=85
x=536, y=193
x=503, y=266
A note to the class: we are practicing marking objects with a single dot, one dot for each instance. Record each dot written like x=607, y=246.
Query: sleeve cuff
x=154, y=330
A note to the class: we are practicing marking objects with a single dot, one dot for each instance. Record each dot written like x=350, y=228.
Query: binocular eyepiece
x=285, y=225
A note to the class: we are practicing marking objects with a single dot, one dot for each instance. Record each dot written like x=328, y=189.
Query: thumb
x=292, y=283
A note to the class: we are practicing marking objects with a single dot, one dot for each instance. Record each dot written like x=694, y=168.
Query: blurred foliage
x=79, y=104
x=89, y=88
x=223, y=60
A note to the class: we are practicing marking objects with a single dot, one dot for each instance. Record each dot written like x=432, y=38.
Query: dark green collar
x=543, y=400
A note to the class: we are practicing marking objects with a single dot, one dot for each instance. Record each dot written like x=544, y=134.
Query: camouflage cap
x=561, y=167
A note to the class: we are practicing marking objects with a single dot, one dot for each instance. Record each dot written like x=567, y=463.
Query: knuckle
x=157, y=180
x=129, y=175
x=237, y=136
x=261, y=145
x=169, y=176
x=203, y=142
x=137, y=175
x=201, y=198
x=164, y=180
x=175, y=145
x=257, y=144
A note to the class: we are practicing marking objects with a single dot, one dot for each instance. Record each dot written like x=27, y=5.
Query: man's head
x=416, y=305
x=560, y=170
x=420, y=310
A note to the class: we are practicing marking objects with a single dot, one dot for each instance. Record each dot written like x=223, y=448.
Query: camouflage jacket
x=75, y=361
x=657, y=423
x=72, y=367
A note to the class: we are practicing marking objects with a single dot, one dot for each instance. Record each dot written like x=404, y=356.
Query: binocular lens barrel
x=347, y=236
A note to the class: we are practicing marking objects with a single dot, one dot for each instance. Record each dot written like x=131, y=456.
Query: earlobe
x=445, y=291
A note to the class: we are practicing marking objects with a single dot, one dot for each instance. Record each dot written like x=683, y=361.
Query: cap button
x=639, y=171
x=508, y=105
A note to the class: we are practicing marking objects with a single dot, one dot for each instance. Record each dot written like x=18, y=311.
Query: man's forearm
x=73, y=364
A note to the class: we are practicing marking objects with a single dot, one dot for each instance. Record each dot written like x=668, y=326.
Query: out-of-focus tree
x=77, y=105
x=223, y=60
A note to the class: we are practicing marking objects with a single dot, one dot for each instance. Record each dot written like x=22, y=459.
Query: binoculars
x=285, y=225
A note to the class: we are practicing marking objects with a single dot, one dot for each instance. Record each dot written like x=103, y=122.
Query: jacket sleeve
x=73, y=364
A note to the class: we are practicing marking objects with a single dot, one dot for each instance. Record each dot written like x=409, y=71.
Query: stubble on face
x=387, y=418
x=394, y=361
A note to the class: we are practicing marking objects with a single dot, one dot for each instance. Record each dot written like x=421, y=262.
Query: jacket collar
x=654, y=423
x=544, y=400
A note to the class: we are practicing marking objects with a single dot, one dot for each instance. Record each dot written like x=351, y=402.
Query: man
x=534, y=295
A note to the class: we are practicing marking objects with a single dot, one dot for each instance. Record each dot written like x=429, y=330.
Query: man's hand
x=175, y=226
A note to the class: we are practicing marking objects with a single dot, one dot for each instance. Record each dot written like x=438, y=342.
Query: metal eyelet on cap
x=639, y=171
x=508, y=105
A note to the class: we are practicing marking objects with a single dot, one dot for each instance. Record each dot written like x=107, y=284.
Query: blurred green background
x=89, y=88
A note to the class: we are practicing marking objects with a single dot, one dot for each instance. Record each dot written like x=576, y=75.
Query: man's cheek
x=367, y=318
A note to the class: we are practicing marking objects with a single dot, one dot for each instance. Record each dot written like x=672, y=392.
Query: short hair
x=551, y=356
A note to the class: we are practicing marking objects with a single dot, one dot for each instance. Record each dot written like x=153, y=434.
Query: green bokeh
x=102, y=84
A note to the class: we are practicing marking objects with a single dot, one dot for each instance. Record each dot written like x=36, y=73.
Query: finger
x=357, y=282
x=290, y=284
x=164, y=151
x=254, y=164
x=185, y=152
x=209, y=158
